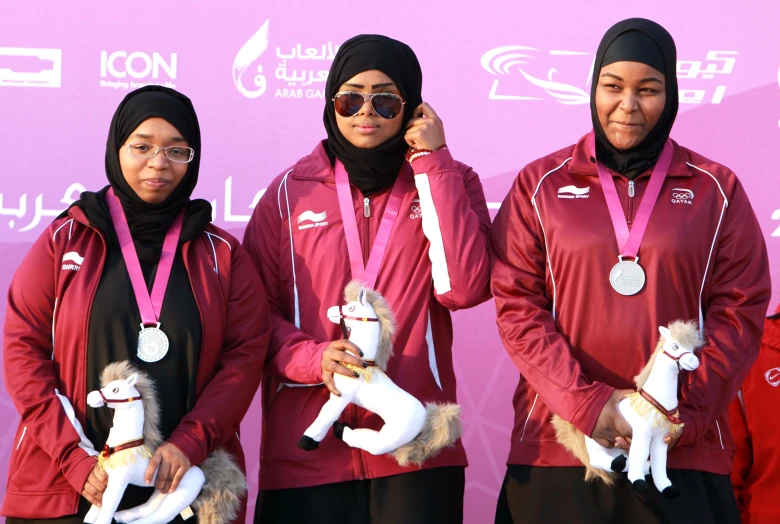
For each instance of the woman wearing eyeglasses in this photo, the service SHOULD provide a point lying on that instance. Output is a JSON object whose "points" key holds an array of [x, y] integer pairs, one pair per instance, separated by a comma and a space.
{"points": [[81, 300], [385, 155]]}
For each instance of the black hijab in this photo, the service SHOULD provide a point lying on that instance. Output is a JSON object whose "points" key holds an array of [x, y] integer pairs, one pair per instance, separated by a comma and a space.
{"points": [[372, 169], [149, 222], [644, 41]]}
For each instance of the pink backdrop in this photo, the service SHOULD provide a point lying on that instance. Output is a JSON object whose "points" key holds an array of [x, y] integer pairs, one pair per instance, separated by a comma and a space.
{"points": [[509, 79]]}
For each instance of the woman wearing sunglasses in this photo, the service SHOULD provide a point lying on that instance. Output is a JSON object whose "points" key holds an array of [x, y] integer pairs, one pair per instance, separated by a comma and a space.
{"points": [[598, 245], [381, 200], [80, 296]]}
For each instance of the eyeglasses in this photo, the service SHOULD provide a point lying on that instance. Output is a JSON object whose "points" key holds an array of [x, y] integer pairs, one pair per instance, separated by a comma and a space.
{"points": [[180, 154], [385, 105]]}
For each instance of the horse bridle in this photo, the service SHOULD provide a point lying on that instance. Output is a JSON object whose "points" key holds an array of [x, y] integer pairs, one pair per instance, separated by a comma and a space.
{"points": [[679, 367], [345, 330], [118, 400]]}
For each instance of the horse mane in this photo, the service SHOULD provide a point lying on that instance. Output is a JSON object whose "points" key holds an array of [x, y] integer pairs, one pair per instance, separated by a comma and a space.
{"points": [[145, 386], [686, 333], [383, 313]]}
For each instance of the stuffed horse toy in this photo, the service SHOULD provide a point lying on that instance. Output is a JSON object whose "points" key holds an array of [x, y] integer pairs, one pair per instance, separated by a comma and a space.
{"points": [[411, 433], [651, 412], [214, 489]]}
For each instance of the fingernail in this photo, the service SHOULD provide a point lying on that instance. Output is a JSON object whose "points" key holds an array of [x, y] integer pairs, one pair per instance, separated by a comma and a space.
{"points": [[338, 394], [365, 364], [361, 353], [357, 375]]}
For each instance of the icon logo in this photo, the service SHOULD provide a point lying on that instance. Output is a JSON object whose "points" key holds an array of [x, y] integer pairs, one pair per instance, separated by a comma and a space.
{"points": [[573, 192], [30, 67], [116, 67]]}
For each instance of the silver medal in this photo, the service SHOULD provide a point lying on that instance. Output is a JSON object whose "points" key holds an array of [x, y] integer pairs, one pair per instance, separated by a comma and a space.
{"points": [[627, 277], [152, 343]]}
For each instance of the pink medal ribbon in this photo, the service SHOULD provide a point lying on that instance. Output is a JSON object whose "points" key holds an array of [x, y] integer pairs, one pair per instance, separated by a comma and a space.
{"points": [[368, 273], [152, 342], [627, 277]]}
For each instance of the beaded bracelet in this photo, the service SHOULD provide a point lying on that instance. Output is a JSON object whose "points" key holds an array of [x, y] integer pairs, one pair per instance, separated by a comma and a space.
{"points": [[413, 154]]}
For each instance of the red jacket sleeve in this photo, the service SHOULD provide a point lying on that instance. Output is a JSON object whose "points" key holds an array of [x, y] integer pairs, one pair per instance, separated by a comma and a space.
{"points": [[30, 375], [743, 457], [733, 317], [525, 316], [456, 222], [293, 356], [225, 400]]}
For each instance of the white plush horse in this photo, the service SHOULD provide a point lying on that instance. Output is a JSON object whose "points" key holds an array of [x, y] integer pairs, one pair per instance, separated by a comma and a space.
{"points": [[214, 489], [411, 433], [651, 412]]}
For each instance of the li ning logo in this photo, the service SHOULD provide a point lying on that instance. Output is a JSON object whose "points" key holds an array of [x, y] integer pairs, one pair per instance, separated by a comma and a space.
{"points": [[682, 196], [573, 192]]}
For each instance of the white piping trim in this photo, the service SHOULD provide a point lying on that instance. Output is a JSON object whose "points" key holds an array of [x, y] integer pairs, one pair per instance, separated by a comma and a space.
{"points": [[546, 247], [292, 249], [214, 250], [85, 443], [741, 400], [529, 416], [24, 431], [222, 239], [53, 316], [720, 436], [70, 231], [432, 231], [714, 240], [63, 225], [432, 352]]}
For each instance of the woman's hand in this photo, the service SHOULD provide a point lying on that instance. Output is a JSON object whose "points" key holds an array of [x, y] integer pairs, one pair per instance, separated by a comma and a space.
{"points": [[340, 351], [611, 426], [425, 130], [172, 463], [95, 486]]}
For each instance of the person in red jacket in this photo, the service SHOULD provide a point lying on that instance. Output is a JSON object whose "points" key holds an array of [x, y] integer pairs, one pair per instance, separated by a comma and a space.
{"points": [[434, 260], [76, 303], [596, 246], [754, 423]]}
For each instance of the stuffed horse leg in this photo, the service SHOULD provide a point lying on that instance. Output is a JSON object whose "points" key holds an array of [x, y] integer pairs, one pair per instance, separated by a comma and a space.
{"points": [[174, 501], [112, 496], [144, 510], [329, 414]]}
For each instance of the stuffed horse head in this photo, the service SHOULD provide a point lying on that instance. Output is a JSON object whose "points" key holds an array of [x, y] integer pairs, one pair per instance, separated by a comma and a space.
{"points": [[679, 347], [367, 321]]}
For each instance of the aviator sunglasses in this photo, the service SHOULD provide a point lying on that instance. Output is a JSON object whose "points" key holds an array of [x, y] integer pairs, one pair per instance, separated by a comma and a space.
{"points": [[385, 105]]}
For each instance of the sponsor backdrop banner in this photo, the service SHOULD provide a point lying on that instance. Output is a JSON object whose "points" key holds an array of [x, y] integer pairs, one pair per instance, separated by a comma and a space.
{"points": [[510, 80]]}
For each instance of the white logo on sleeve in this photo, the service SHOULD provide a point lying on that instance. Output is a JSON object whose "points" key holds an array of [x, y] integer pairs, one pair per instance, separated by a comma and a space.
{"points": [[773, 377], [573, 192], [72, 261], [314, 219], [682, 196]]}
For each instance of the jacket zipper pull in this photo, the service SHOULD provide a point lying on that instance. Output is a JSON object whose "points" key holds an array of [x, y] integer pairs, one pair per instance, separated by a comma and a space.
{"points": [[366, 207], [631, 188]]}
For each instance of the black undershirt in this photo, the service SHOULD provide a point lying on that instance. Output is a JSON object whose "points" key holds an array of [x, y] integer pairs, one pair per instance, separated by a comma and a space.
{"points": [[113, 336]]}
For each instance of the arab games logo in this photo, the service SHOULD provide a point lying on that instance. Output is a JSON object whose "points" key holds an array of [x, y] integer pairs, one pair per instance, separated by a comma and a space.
{"points": [[123, 70], [299, 73], [30, 67], [527, 73], [682, 196], [573, 192]]}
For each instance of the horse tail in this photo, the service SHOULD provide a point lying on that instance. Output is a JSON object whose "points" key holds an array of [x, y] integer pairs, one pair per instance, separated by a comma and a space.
{"points": [[573, 440], [220, 498], [442, 428]]}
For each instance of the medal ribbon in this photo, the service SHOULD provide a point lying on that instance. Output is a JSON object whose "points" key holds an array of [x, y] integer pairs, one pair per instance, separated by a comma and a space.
{"points": [[368, 273], [148, 305], [628, 242]]}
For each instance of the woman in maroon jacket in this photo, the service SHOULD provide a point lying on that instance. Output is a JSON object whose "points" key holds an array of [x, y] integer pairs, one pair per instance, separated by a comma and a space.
{"points": [[596, 246], [73, 308], [435, 260]]}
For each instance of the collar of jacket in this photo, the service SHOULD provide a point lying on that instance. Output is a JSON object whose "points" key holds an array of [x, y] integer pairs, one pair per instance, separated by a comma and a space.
{"points": [[316, 166], [583, 163]]}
